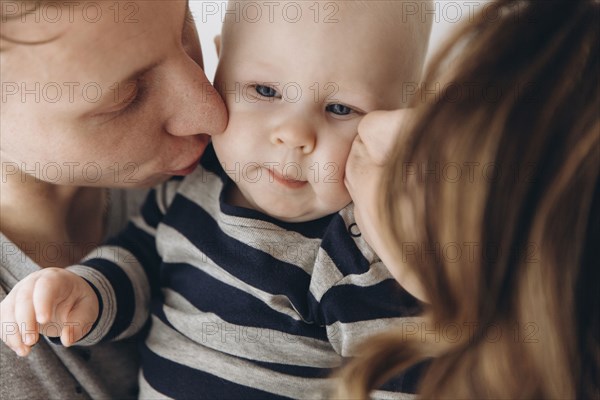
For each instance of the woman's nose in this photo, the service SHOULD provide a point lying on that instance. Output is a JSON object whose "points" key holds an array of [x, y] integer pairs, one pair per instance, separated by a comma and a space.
{"points": [[379, 131]]}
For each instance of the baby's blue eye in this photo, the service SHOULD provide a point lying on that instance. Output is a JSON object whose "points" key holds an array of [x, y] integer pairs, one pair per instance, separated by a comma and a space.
{"points": [[265, 91], [339, 109]]}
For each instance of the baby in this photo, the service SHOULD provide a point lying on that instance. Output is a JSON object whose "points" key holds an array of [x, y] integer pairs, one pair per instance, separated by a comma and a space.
{"points": [[252, 268]]}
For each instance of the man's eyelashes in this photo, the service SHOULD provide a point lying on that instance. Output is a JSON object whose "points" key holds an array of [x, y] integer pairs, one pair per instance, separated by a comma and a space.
{"points": [[130, 98], [123, 103], [134, 98]]}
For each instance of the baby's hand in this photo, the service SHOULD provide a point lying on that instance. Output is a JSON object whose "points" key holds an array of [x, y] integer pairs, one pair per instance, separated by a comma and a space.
{"points": [[53, 302]]}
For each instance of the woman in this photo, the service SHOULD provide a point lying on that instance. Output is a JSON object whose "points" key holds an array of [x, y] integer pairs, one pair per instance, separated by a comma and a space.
{"points": [[489, 211], [94, 95]]}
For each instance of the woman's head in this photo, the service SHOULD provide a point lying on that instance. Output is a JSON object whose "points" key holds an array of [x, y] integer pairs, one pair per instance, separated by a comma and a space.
{"points": [[494, 191], [103, 93]]}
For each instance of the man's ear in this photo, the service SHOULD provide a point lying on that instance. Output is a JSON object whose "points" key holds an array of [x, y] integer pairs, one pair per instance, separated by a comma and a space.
{"points": [[218, 45]]}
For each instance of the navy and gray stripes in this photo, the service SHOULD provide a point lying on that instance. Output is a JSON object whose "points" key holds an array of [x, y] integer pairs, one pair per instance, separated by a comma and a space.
{"points": [[242, 305]]}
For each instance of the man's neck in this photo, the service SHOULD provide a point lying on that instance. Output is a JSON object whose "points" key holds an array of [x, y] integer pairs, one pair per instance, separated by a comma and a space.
{"points": [[52, 223]]}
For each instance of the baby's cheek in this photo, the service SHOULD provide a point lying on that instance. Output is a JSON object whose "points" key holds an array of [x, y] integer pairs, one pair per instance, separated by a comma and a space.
{"points": [[334, 196]]}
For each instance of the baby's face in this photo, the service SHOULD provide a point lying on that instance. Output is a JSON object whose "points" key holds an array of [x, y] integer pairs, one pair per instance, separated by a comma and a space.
{"points": [[295, 94]]}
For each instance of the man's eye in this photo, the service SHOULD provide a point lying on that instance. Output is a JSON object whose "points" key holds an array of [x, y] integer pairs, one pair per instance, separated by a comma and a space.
{"points": [[265, 91], [339, 109], [133, 99]]}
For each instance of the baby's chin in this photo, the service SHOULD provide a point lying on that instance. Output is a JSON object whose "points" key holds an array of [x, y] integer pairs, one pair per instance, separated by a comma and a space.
{"points": [[290, 215], [307, 214]]}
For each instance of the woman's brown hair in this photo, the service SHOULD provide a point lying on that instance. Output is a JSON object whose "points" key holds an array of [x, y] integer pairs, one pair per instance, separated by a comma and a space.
{"points": [[507, 160]]}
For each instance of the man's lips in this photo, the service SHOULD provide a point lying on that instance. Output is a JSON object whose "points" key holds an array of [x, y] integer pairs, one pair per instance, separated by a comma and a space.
{"points": [[186, 170], [191, 167], [287, 182]]}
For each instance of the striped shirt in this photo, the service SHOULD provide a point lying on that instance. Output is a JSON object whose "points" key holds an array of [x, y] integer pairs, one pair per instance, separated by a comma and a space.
{"points": [[241, 305]]}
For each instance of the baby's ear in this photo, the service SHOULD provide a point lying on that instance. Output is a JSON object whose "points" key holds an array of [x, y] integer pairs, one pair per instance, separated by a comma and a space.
{"points": [[218, 45]]}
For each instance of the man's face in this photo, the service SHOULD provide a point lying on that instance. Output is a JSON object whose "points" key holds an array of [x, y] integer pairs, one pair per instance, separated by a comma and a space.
{"points": [[117, 97]]}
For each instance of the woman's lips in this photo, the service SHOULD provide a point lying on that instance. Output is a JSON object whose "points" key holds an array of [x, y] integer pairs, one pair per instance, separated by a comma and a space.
{"points": [[289, 183]]}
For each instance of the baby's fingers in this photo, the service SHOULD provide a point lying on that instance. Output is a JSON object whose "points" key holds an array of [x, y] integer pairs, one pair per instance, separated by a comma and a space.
{"points": [[11, 334], [50, 290], [25, 315], [67, 306], [79, 322]]}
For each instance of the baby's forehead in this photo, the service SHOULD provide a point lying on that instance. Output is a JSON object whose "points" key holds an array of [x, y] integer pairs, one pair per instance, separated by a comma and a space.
{"points": [[395, 15], [354, 24], [369, 43]]}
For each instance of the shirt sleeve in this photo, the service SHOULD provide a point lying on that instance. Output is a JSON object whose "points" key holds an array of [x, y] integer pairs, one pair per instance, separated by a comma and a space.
{"points": [[360, 306], [355, 298], [125, 271]]}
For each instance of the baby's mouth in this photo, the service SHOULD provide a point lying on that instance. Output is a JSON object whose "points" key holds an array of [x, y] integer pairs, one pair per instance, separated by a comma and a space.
{"points": [[285, 181]]}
